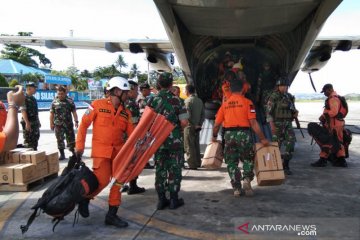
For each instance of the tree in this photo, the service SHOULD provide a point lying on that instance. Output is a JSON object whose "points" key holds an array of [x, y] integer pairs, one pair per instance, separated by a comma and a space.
{"points": [[24, 55], [86, 74], [3, 82], [13, 83], [134, 71], [106, 72], [120, 62], [29, 77]]}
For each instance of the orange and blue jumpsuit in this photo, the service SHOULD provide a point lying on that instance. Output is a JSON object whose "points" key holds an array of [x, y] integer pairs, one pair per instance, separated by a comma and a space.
{"points": [[333, 124], [109, 129]]}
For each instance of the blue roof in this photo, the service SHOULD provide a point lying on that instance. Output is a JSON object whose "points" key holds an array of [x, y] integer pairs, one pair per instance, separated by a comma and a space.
{"points": [[11, 67]]}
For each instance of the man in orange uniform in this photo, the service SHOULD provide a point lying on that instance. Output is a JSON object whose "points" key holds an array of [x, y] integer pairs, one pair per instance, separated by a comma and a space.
{"points": [[10, 133], [334, 122], [3, 115], [111, 121], [237, 115]]}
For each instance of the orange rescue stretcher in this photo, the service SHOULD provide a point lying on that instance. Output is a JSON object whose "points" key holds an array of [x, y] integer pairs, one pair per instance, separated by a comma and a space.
{"points": [[147, 137]]}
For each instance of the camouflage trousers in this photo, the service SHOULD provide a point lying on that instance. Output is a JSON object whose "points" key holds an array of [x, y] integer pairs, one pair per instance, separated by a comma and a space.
{"points": [[168, 164], [62, 132], [239, 146], [31, 138], [285, 136]]}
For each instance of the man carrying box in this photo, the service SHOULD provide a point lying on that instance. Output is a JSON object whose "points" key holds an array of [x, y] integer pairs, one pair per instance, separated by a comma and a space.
{"points": [[237, 115]]}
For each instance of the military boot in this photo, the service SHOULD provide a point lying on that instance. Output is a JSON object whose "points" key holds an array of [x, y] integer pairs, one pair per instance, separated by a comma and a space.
{"points": [[163, 201], [286, 167], [340, 162], [84, 208], [134, 188], [320, 163], [247, 187], [175, 201], [62, 154], [112, 219]]}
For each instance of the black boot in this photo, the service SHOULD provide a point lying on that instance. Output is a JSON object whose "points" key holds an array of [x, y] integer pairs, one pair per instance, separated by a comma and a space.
{"points": [[175, 201], [84, 208], [340, 162], [163, 201], [112, 219], [286, 167], [134, 188], [62, 154], [320, 163]]}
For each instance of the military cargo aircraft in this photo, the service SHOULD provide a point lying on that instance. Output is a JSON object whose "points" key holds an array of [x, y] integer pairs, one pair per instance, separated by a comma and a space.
{"points": [[202, 33]]}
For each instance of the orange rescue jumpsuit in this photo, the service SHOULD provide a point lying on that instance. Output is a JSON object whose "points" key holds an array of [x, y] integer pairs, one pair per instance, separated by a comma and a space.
{"points": [[2, 140], [109, 129], [3, 115], [334, 124]]}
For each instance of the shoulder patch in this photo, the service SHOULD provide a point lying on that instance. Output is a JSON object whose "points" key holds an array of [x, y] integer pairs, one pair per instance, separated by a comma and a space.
{"points": [[252, 108]]}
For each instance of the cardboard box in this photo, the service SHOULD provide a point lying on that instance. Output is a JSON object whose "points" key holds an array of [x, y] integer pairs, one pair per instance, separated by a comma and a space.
{"points": [[24, 173], [41, 169], [3, 157], [7, 173], [213, 156], [34, 157], [52, 156], [14, 155], [268, 165]]}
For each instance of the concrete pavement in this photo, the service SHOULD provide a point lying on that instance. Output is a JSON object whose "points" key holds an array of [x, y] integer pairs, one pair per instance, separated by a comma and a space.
{"points": [[211, 211]]}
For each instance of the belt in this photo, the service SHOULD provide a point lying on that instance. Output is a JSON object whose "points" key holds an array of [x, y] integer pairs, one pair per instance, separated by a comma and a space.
{"points": [[236, 128]]}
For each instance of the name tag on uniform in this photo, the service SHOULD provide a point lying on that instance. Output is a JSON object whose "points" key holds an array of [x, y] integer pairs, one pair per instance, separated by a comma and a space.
{"points": [[104, 110]]}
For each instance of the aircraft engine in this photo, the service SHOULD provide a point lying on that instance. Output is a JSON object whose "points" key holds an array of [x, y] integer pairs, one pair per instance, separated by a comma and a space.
{"points": [[161, 62], [316, 59]]}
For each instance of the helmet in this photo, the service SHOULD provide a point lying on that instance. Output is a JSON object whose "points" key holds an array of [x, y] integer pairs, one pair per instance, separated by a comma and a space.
{"points": [[118, 82], [282, 81]]}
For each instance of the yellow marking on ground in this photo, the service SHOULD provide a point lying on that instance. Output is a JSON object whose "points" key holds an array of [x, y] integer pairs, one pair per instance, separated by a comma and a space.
{"points": [[10, 206]]}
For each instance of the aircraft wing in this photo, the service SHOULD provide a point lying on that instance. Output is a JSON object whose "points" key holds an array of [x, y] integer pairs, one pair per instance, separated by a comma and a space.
{"points": [[158, 52], [323, 47], [132, 45]]}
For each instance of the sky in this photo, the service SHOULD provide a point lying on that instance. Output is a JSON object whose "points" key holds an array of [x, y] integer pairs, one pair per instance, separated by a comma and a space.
{"points": [[131, 19]]}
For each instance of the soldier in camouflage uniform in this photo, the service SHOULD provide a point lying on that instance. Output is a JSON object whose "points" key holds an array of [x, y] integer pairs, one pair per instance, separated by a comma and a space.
{"points": [[61, 120], [237, 115], [168, 159], [134, 108], [30, 118], [265, 85], [280, 112]]}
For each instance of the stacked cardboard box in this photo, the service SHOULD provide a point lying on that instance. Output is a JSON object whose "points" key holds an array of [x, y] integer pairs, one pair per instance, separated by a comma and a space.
{"points": [[268, 165], [22, 166]]}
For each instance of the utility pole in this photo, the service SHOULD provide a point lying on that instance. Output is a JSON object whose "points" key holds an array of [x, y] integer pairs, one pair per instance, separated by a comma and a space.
{"points": [[72, 50]]}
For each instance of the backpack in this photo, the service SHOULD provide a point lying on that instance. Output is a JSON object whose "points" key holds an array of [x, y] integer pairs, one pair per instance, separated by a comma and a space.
{"points": [[344, 108], [70, 188], [347, 138], [328, 142]]}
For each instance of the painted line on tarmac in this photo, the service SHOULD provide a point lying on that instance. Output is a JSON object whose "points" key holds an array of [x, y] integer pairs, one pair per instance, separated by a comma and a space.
{"points": [[11, 205], [162, 226]]}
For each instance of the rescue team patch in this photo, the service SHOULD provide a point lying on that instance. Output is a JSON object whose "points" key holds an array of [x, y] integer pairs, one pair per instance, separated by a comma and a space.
{"points": [[252, 108], [104, 110]]}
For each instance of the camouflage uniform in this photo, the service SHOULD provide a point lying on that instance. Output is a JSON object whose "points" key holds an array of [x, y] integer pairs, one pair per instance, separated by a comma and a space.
{"points": [[31, 138], [265, 87], [280, 109], [168, 159], [64, 126], [239, 145], [132, 105]]}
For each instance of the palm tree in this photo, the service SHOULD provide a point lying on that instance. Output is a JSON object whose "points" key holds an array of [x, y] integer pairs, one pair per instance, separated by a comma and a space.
{"points": [[120, 62], [134, 70]]}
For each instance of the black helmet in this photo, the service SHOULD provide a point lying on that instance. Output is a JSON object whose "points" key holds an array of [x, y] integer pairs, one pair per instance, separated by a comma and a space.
{"points": [[282, 81]]}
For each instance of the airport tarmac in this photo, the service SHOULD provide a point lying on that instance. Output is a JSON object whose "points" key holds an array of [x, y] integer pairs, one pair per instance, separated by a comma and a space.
{"points": [[327, 198]]}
